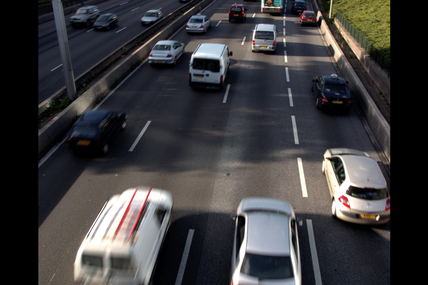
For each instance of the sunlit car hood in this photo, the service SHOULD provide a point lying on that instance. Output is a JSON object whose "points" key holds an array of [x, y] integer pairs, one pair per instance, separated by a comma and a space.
{"points": [[148, 19]]}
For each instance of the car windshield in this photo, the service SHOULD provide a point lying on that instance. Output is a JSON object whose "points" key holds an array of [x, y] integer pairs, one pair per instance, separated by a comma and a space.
{"points": [[367, 193], [336, 88], [267, 267], [162, 47], [196, 20], [103, 18], [151, 14], [82, 11], [206, 64], [264, 35], [84, 131]]}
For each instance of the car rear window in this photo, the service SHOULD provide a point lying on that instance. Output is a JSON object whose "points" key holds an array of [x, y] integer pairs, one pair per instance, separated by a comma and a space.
{"points": [[267, 267], [92, 260], [309, 15], [235, 9], [264, 35], [162, 47], [84, 131], [367, 193], [336, 88], [122, 264], [196, 20], [206, 64]]}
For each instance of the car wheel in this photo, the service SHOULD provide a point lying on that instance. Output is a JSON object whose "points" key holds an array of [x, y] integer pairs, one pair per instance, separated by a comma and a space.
{"points": [[88, 23], [317, 103], [175, 61], [333, 207]]}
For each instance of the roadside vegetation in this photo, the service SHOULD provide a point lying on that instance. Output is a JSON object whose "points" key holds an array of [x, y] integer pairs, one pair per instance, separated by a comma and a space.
{"points": [[370, 17]]}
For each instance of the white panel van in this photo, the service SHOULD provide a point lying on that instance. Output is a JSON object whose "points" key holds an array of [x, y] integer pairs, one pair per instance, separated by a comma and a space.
{"points": [[209, 65], [123, 243], [264, 38]]}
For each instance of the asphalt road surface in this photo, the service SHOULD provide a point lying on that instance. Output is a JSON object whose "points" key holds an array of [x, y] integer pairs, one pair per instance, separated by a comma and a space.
{"points": [[213, 148]]}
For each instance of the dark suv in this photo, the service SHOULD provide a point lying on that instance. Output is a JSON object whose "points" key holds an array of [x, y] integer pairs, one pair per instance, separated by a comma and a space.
{"points": [[237, 12], [331, 91]]}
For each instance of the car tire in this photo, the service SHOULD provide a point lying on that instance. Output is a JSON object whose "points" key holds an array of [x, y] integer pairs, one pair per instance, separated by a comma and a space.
{"points": [[105, 149], [333, 208], [317, 103]]}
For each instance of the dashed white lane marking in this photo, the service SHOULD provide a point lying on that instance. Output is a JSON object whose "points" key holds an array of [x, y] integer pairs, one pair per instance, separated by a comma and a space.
{"points": [[285, 56], [226, 94], [293, 122], [121, 30], [218, 23], [243, 41], [287, 76], [139, 136], [183, 262], [314, 254], [290, 97], [302, 177], [56, 67]]}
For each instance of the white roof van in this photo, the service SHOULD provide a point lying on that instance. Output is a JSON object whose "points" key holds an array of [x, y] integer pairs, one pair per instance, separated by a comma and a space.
{"points": [[264, 38], [209, 65], [123, 243]]}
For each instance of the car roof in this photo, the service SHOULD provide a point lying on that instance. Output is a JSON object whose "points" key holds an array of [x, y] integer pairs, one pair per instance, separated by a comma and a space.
{"points": [[334, 79], [198, 16], [265, 27], [268, 233], [93, 117], [363, 171], [208, 49], [166, 42], [308, 11], [154, 10]]}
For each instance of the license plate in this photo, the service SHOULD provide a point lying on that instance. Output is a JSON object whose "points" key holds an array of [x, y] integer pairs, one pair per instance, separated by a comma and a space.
{"points": [[194, 27], [83, 142], [373, 217], [236, 15], [160, 61], [199, 76], [310, 20], [271, 8], [263, 47], [299, 10], [337, 102]]}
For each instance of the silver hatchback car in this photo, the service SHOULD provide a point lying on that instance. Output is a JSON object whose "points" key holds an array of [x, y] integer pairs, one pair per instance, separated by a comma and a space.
{"points": [[358, 190], [266, 243]]}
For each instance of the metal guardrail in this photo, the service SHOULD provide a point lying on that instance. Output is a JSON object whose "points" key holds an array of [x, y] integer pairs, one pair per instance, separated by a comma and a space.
{"points": [[374, 53]]}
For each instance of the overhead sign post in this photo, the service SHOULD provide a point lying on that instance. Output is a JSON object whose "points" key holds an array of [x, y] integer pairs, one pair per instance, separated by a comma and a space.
{"points": [[63, 48]]}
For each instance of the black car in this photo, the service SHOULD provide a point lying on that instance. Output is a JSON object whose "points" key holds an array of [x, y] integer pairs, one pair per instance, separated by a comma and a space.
{"points": [[95, 129], [331, 91], [106, 21], [298, 7], [237, 12]]}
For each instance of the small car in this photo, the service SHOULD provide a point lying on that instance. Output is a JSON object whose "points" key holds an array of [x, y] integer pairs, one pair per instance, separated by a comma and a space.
{"points": [[166, 52], [198, 24], [106, 21], [95, 129], [331, 92], [266, 243], [358, 190], [308, 17], [85, 16], [298, 7], [237, 12], [151, 16]]}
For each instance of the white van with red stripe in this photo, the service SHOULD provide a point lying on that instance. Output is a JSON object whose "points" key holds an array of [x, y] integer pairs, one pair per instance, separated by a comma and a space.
{"points": [[123, 243]]}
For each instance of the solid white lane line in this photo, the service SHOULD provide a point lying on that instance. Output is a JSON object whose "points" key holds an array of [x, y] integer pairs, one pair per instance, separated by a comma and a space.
{"points": [[56, 67], [314, 254], [290, 97], [287, 76], [293, 122], [218, 23], [302, 177], [183, 262], [285, 56], [139, 136], [243, 41], [121, 30], [226, 93]]}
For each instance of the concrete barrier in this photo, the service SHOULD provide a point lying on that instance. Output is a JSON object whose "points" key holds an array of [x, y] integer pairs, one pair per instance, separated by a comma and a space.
{"points": [[61, 123], [375, 119]]}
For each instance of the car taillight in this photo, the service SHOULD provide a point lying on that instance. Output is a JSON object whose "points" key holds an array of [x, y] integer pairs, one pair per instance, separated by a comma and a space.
{"points": [[274, 43], [324, 99], [201, 27], [344, 201], [388, 204], [169, 55], [150, 54], [349, 101], [221, 79], [254, 42]]}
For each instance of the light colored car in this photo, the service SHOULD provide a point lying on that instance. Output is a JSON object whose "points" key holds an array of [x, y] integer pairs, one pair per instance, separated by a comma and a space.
{"points": [[358, 190], [123, 243], [85, 16], [166, 52], [266, 243], [198, 24], [151, 16], [264, 38]]}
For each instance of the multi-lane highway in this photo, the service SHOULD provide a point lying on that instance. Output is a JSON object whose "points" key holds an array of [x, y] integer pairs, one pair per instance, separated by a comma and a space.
{"points": [[260, 136]]}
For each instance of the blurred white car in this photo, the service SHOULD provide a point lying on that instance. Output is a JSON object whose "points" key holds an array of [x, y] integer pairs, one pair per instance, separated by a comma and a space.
{"points": [[151, 16], [358, 190], [198, 24], [266, 243], [166, 52]]}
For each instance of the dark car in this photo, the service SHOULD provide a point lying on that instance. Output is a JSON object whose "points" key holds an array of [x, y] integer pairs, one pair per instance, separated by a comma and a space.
{"points": [[106, 21], [331, 91], [237, 12], [298, 7], [95, 129]]}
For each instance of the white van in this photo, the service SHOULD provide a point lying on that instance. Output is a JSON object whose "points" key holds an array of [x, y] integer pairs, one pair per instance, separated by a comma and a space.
{"points": [[209, 65], [264, 38], [123, 243]]}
